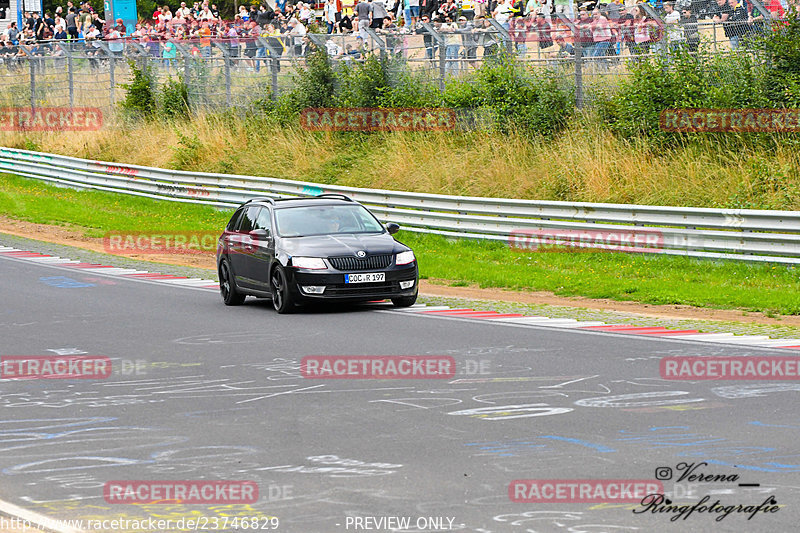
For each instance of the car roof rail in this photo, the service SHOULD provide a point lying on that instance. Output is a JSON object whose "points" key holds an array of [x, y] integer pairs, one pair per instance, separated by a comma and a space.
{"points": [[261, 199], [333, 195]]}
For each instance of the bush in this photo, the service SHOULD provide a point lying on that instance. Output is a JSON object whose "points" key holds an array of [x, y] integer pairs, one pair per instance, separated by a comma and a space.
{"points": [[174, 99], [516, 97], [313, 86], [681, 80], [782, 83], [140, 99], [363, 84]]}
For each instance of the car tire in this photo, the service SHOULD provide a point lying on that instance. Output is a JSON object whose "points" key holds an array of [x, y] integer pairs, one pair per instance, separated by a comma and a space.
{"points": [[281, 296], [405, 301], [227, 286]]}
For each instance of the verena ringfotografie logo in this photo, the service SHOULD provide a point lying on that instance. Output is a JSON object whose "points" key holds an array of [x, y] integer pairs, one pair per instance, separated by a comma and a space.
{"points": [[730, 120], [50, 118], [376, 119], [160, 243], [582, 490], [378, 367], [568, 240], [186, 492], [55, 367], [730, 368]]}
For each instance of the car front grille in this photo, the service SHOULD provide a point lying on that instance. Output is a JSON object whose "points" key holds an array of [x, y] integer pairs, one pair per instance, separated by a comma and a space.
{"points": [[371, 262], [367, 288]]}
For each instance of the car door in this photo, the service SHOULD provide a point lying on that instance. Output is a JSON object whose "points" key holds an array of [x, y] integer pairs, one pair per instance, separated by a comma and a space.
{"points": [[243, 247], [263, 252]]}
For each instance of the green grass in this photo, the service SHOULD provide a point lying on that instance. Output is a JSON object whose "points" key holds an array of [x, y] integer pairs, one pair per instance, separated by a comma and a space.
{"points": [[772, 289], [98, 212]]}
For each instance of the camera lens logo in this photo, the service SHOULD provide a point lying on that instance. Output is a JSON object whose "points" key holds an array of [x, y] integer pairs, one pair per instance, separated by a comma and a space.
{"points": [[663, 473]]}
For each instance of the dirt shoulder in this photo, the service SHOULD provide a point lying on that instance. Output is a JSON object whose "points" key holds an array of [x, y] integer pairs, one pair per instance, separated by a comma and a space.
{"points": [[75, 237]]}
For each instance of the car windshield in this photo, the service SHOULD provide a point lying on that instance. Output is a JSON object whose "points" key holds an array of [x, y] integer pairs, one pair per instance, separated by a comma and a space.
{"points": [[325, 220]]}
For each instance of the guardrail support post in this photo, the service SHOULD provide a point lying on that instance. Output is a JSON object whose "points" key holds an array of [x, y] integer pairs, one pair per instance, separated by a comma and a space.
{"points": [[440, 40], [70, 73], [274, 65], [32, 63], [578, 51], [226, 57]]}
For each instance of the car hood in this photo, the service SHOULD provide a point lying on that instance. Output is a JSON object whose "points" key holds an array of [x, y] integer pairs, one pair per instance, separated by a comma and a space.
{"points": [[341, 245]]}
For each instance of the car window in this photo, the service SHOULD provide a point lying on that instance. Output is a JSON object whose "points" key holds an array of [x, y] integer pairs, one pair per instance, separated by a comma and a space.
{"points": [[264, 220], [248, 223], [325, 220], [234, 222]]}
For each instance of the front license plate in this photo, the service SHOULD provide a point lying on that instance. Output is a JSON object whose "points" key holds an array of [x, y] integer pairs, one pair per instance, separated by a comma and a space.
{"points": [[371, 277]]}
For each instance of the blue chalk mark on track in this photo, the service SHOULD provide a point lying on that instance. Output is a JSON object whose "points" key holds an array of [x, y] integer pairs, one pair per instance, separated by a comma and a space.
{"points": [[599, 447], [64, 282]]}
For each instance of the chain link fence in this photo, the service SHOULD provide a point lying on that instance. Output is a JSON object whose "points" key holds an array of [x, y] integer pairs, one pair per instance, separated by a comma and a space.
{"points": [[592, 52]]}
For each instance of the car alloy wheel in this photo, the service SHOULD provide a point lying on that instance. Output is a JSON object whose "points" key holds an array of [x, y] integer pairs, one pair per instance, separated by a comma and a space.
{"points": [[227, 287]]}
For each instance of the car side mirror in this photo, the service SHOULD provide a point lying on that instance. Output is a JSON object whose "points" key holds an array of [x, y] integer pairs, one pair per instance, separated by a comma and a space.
{"points": [[392, 228], [260, 234]]}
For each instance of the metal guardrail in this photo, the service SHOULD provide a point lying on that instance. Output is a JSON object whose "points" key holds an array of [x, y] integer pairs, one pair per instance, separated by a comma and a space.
{"points": [[750, 235]]}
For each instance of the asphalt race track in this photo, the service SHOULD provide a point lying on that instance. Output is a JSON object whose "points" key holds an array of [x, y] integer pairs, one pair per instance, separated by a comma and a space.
{"points": [[202, 391]]}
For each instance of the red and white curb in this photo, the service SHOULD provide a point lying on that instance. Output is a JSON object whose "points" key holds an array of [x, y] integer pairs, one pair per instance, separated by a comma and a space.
{"points": [[440, 311], [654, 331], [91, 268]]}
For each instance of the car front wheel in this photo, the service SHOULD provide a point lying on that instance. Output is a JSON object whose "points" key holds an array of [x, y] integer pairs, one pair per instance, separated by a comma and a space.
{"points": [[404, 301], [281, 297], [227, 287]]}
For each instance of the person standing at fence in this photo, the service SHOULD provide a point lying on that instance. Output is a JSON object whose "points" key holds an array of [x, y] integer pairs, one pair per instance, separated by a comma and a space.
{"points": [[85, 21], [60, 34], [642, 29], [250, 33], [736, 27], [690, 30], [413, 10], [452, 43], [169, 54], [503, 12], [520, 30], [92, 36], [331, 14], [671, 23], [719, 12], [430, 9], [602, 36], [72, 23], [363, 15], [469, 40], [566, 7], [297, 31], [379, 13], [115, 44]]}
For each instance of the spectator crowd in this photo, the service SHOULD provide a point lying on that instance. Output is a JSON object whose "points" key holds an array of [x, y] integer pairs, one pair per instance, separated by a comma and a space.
{"points": [[601, 27]]}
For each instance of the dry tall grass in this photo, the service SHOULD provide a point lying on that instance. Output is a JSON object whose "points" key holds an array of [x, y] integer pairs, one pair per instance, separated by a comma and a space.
{"points": [[584, 163]]}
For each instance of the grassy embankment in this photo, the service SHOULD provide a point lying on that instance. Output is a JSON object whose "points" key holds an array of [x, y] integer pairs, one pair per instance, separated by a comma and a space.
{"points": [[584, 163]]}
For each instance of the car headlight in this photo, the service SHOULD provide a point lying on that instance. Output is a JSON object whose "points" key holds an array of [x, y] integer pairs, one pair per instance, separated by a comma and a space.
{"points": [[404, 258], [310, 263]]}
